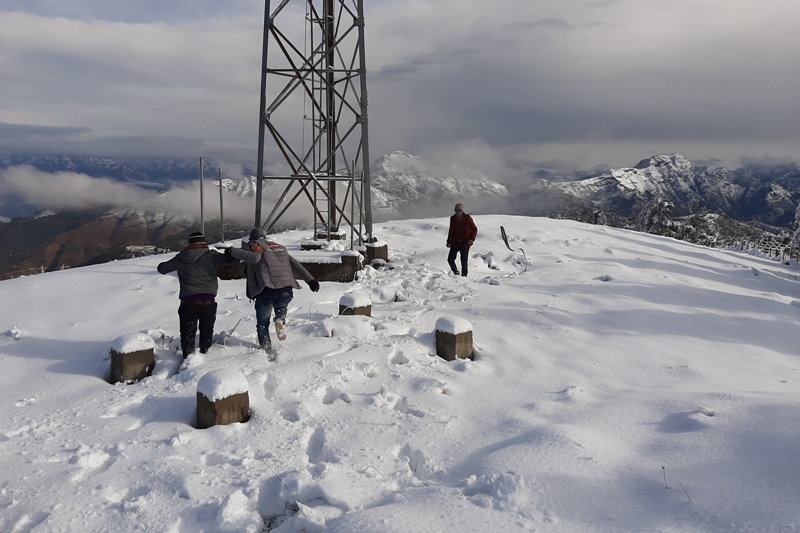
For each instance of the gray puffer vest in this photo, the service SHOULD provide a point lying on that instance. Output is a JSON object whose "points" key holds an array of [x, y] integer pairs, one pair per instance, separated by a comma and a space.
{"points": [[274, 269]]}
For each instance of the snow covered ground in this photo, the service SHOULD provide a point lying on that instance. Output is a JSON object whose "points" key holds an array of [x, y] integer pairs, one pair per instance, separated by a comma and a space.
{"points": [[625, 382]]}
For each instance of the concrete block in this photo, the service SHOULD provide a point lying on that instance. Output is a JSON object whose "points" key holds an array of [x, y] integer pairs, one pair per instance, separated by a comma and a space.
{"points": [[222, 398], [343, 272], [454, 338], [449, 346], [355, 303], [132, 366], [132, 357], [377, 251], [365, 310], [235, 408]]}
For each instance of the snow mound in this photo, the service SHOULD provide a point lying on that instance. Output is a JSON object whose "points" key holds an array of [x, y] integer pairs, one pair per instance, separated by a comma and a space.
{"points": [[453, 325], [133, 342], [355, 299], [222, 383]]}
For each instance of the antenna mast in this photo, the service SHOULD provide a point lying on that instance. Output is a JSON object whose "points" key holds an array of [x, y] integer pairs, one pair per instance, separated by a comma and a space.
{"points": [[314, 73]]}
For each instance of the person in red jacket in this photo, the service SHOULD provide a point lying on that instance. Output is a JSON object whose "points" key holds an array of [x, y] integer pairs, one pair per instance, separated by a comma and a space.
{"points": [[460, 237]]}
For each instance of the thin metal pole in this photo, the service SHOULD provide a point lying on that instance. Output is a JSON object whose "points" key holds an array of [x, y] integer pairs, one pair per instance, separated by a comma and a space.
{"points": [[330, 44], [366, 199], [352, 203], [202, 217], [361, 212], [221, 212], [262, 118]]}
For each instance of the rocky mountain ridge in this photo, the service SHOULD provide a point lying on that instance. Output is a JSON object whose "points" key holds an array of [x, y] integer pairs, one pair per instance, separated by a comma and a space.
{"points": [[404, 184], [769, 196]]}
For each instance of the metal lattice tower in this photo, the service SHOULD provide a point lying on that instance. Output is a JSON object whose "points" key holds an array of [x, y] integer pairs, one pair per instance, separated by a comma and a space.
{"points": [[314, 106]]}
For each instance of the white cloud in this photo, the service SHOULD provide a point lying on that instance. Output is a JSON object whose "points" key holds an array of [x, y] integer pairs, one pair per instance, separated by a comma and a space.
{"points": [[70, 190], [66, 190], [563, 79]]}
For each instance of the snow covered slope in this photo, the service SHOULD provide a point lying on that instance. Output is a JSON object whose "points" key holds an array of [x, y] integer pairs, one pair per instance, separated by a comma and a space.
{"points": [[619, 377]]}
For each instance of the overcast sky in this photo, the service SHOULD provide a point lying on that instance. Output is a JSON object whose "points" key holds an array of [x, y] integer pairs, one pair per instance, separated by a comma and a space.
{"points": [[504, 87]]}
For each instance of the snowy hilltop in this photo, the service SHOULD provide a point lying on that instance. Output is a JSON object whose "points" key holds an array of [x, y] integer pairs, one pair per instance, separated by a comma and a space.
{"points": [[622, 382]]}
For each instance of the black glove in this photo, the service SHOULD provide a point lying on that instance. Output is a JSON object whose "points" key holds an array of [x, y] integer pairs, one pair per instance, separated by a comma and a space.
{"points": [[313, 285], [228, 254]]}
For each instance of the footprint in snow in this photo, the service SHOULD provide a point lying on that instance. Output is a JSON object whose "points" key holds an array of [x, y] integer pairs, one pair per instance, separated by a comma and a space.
{"points": [[571, 393], [332, 394], [685, 422], [88, 462], [291, 413], [270, 386], [398, 358], [316, 444]]}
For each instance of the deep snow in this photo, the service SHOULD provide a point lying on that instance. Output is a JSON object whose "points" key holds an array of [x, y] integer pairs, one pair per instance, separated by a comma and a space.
{"points": [[619, 377]]}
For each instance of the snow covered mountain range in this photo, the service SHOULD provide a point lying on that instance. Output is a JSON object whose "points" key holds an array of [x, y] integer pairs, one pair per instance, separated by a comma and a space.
{"points": [[403, 186], [749, 193], [404, 183]]}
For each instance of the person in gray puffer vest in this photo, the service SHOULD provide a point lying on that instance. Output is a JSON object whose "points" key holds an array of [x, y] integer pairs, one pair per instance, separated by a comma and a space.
{"points": [[271, 274], [196, 266]]}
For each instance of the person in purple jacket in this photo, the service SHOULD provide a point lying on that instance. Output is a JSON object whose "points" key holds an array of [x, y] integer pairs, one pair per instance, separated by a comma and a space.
{"points": [[196, 266]]}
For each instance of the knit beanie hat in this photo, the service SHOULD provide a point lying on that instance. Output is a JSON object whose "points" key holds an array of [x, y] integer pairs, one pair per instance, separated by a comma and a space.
{"points": [[197, 237], [256, 234]]}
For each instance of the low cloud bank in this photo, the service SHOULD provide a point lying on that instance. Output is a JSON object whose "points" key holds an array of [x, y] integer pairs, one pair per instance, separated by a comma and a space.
{"points": [[60, 191], [66, 190]]}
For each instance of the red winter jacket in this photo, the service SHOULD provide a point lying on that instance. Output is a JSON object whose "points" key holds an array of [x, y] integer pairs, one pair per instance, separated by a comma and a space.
{"points": [[461, 230]]}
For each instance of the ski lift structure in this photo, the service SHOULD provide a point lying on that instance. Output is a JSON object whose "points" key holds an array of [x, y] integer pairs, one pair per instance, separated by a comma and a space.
{"points": [[313, 114]]}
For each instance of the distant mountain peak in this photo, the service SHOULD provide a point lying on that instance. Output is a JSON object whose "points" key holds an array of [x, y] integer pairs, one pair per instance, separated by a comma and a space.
{"points": [[403, 182], [675, 160]]}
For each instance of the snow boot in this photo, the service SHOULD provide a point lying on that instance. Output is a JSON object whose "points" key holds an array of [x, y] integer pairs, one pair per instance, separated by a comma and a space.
{"points": [[272, 354], [280, 329]]}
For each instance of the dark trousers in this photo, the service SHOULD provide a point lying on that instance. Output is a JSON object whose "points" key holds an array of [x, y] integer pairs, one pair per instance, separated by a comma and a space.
{"points": [[266, 301], [190, 313], [463, 249]]}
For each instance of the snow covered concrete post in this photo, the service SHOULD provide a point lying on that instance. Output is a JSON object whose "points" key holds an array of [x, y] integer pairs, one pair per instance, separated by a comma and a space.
{"points": [[352, 262], [355, 303], [376, 250], [222, 398], [453, 338], [342, 270], [132, 357]]}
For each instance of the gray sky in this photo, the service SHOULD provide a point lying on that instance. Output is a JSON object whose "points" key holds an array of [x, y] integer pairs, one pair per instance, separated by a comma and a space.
{"points": [[505, 87]]}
